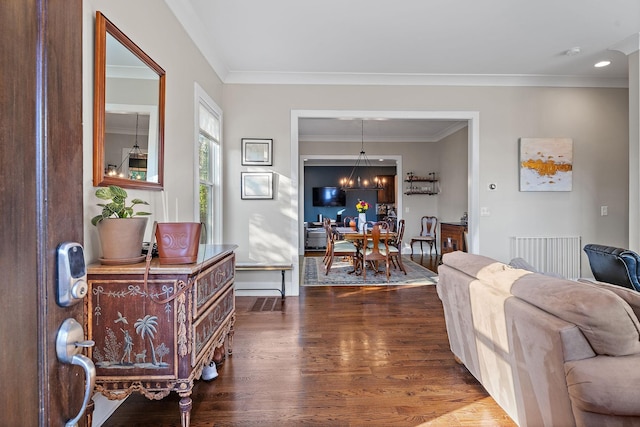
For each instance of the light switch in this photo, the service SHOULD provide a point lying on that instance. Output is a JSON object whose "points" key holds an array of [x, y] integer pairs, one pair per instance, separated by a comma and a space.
{"points": [[604, 210]]}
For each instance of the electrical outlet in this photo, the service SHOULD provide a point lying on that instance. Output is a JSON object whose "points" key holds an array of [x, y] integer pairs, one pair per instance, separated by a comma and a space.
{"points": [[484, 211], [604, 210]]}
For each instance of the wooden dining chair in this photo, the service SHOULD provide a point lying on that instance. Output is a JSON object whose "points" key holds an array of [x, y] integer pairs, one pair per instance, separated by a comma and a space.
{"points": [[428, 225], [395, 248], [326, 224], [375, 252], [337, 248]]}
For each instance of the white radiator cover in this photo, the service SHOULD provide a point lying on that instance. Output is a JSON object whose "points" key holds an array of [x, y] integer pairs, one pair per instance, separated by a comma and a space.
{"points": [[560, 255]]}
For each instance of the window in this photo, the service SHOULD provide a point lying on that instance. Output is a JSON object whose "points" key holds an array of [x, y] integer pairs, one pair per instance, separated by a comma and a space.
{"points": [[208, 149]]}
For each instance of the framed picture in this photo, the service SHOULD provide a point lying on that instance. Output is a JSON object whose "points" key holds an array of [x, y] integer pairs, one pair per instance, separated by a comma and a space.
{"points": [[257, 185], [257, 152], [546, 164]]}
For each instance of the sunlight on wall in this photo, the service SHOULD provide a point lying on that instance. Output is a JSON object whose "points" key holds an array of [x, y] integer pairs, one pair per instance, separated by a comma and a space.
{"points": [[265, 240]]}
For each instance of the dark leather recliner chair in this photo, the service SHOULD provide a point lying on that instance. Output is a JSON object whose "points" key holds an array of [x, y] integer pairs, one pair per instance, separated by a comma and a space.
{"points": [[614, 265]]}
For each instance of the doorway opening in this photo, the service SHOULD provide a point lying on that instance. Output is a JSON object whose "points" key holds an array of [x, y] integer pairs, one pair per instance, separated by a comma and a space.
{"points": [[471, 118]]}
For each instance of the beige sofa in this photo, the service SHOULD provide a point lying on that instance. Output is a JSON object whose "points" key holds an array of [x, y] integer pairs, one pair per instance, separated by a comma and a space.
{"points": [[551, 352]]}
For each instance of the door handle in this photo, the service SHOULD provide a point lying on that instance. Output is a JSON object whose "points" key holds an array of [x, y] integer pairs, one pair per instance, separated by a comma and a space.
{"points": [[69, 344]]}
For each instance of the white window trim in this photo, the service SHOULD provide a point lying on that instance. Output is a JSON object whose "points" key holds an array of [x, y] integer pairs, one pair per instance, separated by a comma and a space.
{"points": [[201, 97]]}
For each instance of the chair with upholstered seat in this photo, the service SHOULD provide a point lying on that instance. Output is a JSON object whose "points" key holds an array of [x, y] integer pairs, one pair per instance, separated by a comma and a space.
{"points": [[428, 225], [614, 265], [337, 248], [375, 252]]}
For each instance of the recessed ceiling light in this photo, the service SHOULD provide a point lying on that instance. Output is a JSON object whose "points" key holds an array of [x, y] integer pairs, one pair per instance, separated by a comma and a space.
{"points": [[602, 64]]}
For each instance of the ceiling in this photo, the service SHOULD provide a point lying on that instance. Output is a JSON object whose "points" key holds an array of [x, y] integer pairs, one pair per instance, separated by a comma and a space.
{"points": [[417, 42], [518, 41]]}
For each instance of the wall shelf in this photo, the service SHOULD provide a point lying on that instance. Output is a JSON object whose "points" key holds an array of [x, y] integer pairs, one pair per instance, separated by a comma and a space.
{"points": [[431, 189]]}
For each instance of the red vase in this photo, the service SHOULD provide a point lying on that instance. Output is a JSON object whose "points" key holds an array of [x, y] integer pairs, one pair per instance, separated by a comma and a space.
{"points": [[352, 224]]}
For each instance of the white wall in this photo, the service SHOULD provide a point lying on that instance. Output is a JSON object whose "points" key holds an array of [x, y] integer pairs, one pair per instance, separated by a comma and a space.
{"points": [[596, 119], [152, 26], [452, 201]]}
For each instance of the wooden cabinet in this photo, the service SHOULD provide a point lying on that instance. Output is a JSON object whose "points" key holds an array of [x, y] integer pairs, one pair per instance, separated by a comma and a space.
{"points": [[388, 192], [452, 237], [428, 185], [155, 348]]}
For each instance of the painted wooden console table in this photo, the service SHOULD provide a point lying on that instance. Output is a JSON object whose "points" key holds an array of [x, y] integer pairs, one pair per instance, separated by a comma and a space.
{"points": [[151, 348]]}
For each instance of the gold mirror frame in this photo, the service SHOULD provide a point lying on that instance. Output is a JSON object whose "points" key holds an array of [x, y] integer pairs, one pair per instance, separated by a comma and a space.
{"points": [[100, 176]]}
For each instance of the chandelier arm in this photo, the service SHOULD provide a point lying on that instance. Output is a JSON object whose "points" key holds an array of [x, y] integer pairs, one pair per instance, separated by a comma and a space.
{"points": [[361, 162]]}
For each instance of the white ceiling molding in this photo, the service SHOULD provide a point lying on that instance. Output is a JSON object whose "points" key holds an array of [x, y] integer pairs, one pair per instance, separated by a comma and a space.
{"points": [[193, 26], [235, 77]]}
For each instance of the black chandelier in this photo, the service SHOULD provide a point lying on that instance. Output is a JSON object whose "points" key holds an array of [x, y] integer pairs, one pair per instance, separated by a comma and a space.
{"points": [[360, 177], [137, 161]]}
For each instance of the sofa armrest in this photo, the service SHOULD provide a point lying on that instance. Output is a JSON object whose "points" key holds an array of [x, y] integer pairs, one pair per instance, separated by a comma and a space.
{"points": [[605, 385], [540, 344]]}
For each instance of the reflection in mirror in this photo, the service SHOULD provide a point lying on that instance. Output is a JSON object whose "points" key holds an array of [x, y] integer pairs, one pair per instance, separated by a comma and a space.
{"points": [[128, 112]]}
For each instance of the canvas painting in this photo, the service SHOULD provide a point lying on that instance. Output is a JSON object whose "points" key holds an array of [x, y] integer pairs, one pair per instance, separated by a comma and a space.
{"points": [[546, 164]]}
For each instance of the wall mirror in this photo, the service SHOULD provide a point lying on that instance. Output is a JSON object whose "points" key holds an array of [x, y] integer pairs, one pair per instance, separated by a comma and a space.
{"points": [[128, 113]]}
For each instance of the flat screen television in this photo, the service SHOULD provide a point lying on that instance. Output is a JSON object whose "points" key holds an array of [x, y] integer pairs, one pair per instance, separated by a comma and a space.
{"points": [[329, 196]]}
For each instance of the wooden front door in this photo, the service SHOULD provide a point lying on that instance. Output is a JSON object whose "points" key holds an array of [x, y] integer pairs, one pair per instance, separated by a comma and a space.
{"points": [[40, 204]]}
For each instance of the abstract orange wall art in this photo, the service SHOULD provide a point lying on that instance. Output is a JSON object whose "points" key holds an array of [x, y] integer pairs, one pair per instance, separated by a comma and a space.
{"points": [[546, 164]]}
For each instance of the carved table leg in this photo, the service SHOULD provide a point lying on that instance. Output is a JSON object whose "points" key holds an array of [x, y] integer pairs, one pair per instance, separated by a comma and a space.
{"points": [[185, 411], [230, 336]]}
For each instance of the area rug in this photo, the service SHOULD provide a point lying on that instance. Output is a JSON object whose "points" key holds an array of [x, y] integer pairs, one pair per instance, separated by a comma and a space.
{"points": [[313, 274]]}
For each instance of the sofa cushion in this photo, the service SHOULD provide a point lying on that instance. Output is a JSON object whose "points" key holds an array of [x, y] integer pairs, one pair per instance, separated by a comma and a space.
{"points": [[491, 272], [605, 319], [521, 263], [630, 296], [477, 266], [601, 385]]}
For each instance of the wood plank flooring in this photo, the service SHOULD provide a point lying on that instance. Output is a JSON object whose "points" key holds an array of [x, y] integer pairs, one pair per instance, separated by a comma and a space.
{"points": [[342, 356]]}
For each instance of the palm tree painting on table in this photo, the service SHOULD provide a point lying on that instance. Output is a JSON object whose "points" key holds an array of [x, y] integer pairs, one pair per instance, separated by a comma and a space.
{"points": [[147, 326]]}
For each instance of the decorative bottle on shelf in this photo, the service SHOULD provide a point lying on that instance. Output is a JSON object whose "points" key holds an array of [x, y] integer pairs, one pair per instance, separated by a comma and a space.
{"points": [[362, 220]]}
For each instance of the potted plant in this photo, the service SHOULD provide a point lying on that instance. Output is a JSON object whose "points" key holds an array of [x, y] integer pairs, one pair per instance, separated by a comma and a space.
{"points": [[120, 227]]}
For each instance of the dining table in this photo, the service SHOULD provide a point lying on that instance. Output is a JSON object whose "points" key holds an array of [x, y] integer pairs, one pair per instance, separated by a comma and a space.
{"points": [[358, 238]]}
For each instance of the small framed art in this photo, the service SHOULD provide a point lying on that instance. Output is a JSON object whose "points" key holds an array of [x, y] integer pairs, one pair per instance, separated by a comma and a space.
{"points": [[256, 185], [257, 152]]}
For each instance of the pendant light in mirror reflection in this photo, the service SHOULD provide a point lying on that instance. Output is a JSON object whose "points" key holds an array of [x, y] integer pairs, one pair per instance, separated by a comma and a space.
{"points": [[361, 177], [132, 159]]}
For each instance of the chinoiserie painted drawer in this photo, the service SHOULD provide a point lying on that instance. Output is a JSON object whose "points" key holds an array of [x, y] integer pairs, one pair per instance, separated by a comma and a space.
{"points": [[212, 281], [214, 324]]}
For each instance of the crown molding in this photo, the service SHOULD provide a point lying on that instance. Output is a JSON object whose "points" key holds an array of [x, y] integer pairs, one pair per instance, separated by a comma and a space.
{"points": [[192, 25], [288, 78]]}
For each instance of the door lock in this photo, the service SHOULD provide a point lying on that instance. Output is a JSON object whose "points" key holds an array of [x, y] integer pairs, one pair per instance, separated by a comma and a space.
{"points": [[72, 274]]}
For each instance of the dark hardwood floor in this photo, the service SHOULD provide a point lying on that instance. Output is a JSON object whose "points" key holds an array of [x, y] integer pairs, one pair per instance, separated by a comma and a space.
{"points": [[342, 356]]}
